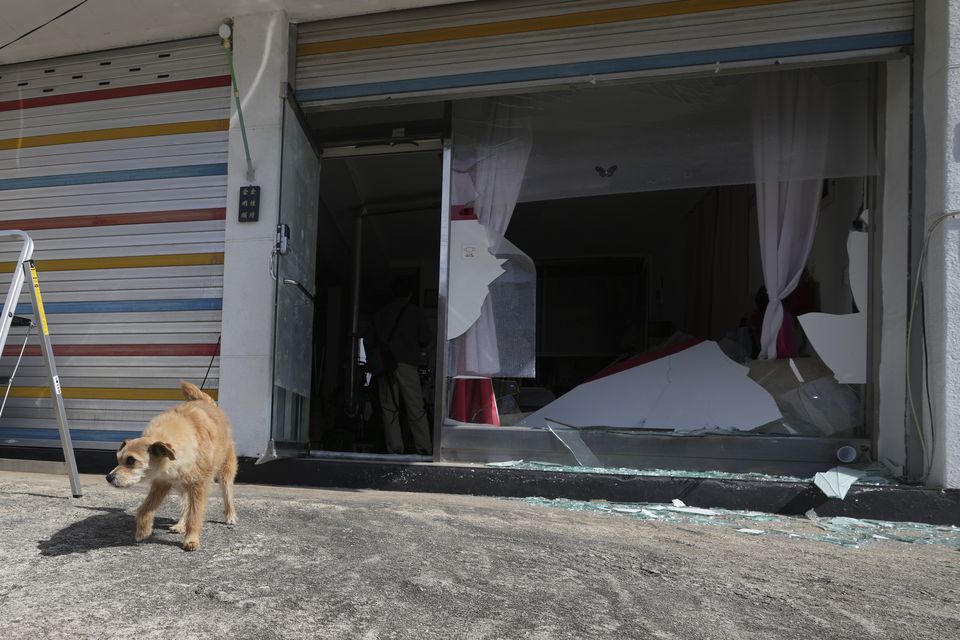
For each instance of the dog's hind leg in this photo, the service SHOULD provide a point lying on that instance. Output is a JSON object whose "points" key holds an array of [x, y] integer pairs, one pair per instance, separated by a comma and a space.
{"points": [[158, 491], [227, 473], [181, 524], [198, 506]]}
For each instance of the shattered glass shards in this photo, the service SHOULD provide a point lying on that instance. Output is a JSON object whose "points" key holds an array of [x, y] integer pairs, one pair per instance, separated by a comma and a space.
{"points": [[875, 474], [660, 473], [847, 532], [811, 400], [836, 482], [821, 407]]}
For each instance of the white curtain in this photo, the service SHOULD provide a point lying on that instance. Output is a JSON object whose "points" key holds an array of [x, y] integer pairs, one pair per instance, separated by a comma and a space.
{"points": [[790, 139], [493, 145]]}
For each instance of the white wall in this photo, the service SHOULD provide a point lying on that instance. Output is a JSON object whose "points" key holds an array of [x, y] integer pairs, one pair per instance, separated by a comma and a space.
{"points": [[941, 111], [260, 59]]}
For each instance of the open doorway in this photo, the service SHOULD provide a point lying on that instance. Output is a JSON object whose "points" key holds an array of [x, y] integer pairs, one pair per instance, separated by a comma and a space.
{"points": [[377, 275]]}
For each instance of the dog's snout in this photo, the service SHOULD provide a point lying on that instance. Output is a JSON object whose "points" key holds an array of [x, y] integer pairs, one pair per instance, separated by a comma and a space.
{"points": [[111, 476]]}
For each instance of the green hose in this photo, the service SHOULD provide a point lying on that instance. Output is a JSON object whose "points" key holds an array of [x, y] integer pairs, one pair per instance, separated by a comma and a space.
{"points": [[236, 97]]}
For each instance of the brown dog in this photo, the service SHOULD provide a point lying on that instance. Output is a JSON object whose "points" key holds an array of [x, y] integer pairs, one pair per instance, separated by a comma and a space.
{"points": [[183, 449]]}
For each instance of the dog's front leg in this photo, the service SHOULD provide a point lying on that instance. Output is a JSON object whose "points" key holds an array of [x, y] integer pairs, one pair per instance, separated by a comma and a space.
{"points": [[158, 491], [198, 505], [181, 524]]}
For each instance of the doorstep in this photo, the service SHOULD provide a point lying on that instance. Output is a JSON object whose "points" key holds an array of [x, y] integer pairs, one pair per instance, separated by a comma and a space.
{"points": [[887, 502]]}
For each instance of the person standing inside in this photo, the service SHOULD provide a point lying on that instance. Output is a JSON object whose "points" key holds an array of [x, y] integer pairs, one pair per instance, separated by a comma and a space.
{"points": [[402, 326]]}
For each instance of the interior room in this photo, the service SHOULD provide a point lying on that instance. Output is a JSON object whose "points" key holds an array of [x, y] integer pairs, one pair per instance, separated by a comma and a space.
{"points": [[653, 270]]}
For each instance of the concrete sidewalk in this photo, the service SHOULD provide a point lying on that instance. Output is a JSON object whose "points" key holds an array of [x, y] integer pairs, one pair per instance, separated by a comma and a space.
{"points": [[345, 564]]}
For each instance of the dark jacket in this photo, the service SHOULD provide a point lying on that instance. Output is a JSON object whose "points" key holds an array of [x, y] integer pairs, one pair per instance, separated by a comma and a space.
{"points": [[411, 335]]}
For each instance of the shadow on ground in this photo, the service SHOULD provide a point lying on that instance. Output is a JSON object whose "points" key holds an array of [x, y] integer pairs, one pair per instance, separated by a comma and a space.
{"points": [[37, 495], [111, 528]]}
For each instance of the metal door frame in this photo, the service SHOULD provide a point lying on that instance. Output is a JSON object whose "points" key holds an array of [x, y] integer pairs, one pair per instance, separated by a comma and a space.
{"points": [[443, 287]]}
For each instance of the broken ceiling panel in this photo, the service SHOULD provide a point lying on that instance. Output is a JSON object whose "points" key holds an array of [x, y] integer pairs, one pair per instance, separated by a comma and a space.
{"points": [[841, 340], [696, 388]]}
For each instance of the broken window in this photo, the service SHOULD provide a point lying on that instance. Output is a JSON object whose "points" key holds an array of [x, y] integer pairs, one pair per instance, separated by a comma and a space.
{"points": [[612, 250]]}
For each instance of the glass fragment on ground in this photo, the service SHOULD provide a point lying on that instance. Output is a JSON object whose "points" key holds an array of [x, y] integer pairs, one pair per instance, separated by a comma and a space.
{"points": [[847, 532], [875, 476]]}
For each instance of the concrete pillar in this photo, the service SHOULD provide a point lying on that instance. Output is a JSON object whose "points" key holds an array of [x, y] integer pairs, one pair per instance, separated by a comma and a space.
{"points": [[941, 111], [261, 57]]}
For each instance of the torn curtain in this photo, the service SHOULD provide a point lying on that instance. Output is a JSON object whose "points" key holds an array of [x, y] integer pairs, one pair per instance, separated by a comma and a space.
{"points": [[493, 144], [790, 131]]}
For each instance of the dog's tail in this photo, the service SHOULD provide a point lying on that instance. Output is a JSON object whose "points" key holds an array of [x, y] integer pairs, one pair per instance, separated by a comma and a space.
{"points": [[193, 392]]}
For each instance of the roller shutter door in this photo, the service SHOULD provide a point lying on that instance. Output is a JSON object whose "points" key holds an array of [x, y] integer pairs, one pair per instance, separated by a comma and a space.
{"points": [[116, 164], [499, 46]]}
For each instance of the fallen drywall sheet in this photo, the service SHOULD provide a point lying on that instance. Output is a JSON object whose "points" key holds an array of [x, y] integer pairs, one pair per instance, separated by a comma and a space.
{"points": [[472, 269], [841, 340], [697, 388]]}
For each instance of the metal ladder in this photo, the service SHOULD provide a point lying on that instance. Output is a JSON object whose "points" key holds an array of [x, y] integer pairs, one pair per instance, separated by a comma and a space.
{"points": [[27, 269]]}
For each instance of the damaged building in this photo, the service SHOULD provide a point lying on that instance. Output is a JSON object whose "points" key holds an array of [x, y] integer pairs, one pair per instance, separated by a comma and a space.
{"points": [[711, 236]]}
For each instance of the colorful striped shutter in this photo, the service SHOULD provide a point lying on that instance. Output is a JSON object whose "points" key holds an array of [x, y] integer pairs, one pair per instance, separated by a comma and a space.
{"points": [[502, 46], [115, 163]]}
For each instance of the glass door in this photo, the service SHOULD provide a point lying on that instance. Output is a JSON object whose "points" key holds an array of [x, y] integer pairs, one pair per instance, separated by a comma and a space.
{"points": [[295, 270]]}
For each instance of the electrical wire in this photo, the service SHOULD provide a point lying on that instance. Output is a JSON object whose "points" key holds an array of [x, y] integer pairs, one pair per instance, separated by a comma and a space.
{"points": [[926, 369], [35, 29], [216, 352], [918, 425]]}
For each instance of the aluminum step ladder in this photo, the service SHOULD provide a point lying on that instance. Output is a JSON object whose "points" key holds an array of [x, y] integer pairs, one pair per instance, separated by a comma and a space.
{"points": [[26, 269]]}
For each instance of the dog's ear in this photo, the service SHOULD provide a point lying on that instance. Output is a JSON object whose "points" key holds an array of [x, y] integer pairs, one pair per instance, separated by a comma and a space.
{"points": [[162, 449], [123, 444]]}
